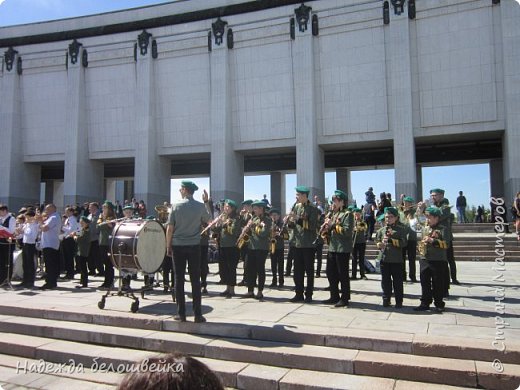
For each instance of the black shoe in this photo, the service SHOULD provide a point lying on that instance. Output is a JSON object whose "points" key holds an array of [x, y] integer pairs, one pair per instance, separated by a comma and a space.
{"points": [[330, 301], [81, 286], [199, 319], [438, 310], [318, 275], [386, 303], [326, 289], [92, 273], [259, 296], [421, 308], [224, 293], [273, 284], [399, 305], [166, 289], [204, 290], [341, 303], [287, 274], [353, 278], [414, 280], [364, 277], [242, 283], [47, 287], [249, 295], [308, 299], [455, 281], [229, 295], [297, 299], [179, 317]]}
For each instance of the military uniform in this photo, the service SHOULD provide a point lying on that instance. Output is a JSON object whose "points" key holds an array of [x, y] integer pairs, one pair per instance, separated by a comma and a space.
{"points": [[83, 251], [433, 264], [340, 247], [410, 249], [186, 219], [360, 244], [305, 224], [392, 261], [276, 250], [259, 241]]}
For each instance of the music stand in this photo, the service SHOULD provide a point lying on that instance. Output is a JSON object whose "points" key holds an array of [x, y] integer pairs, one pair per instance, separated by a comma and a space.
{"points": [[7, 282], [120, 293]]}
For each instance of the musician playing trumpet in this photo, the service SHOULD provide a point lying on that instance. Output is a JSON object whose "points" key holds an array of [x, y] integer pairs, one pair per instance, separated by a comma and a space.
{"points": [[229, 228], [339, 227], [433, 262], [360, 244], [258, 229], [390, 240], [246, 213], [277, 247]]}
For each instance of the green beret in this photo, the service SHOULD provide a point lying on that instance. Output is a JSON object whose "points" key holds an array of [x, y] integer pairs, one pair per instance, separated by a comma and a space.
{"points": [[84, 219], [351, 207], [259, 203], [128, 207], [274, 210], [247, 202], [437, 191], [356, 210], [432, 210], [302, 190], [408, 199], [189, 185], [339, 194], [391, 210], [231, 203], [381, 218], [109, 204]]}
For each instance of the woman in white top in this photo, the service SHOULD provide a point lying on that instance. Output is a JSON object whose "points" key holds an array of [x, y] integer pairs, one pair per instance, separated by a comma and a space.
{"points": [[30, 233], [70, 227]]}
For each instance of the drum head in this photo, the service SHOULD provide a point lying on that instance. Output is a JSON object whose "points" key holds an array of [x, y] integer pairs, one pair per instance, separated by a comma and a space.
{"points": [[151, 246]]}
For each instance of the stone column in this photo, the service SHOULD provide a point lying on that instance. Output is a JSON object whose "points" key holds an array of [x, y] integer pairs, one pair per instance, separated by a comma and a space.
{"points": [[510, 15], [309, 156], [496, 177], [152, 172], [344, 183], [83, 177], [227, 166], [420, 195], [20, 181], [278, 191], [399, 88]]}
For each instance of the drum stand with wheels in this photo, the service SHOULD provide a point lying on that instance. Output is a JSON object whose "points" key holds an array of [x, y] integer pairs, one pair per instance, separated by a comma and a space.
{"points": [[7, 282], [120, 293]]}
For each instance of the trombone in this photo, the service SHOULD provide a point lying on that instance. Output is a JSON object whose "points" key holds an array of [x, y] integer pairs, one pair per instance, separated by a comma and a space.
{"points": [[221, 218]]}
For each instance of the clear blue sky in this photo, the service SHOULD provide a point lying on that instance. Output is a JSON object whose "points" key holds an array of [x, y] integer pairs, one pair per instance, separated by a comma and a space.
{"points": [[472, 179]]}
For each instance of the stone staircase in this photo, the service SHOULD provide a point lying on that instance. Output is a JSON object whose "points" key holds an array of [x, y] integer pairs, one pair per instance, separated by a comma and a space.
{"points": [[245, 356]]}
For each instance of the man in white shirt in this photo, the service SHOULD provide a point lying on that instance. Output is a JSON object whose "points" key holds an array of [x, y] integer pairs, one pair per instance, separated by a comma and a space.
{"points": [[50, 242], [70, 227], [7, 228]]}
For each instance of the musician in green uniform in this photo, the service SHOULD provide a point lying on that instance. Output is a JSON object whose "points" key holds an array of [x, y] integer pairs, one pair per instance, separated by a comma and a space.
{"points": [[228, 230], [276, 248], [304, 221], [339, 228], [83, 248], [258, 229], [433, 262], [183, 242], [245, 215], [360, 244], [409, 221], [446, 220], [390, 240]]}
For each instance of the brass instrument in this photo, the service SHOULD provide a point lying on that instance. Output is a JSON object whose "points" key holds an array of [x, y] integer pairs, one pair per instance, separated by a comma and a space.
{"points": [[220, 219], [388, 234], [245, 235], [324, 228], [276, 232], [163, 212]]}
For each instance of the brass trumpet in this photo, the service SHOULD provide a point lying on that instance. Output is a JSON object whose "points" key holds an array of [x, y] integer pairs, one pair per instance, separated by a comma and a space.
{"points": [[221, 218]]}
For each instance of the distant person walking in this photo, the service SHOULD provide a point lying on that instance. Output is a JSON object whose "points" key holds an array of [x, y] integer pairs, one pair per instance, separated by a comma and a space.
{"points": [[461, 208], [480, 214]]}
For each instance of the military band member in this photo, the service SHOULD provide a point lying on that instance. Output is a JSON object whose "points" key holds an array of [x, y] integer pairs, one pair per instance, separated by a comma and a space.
{"points": [[245, 215], [446, 220], [105, 228], [83, 248], [126, 274], [229, 230], [304, 222], [433, 262], [290, 252], [7, 226], [70, 226], [183, 241], [276, 248], [94, 260], [258, 229], [360, 244], [339, 228], [318, 244], [409, 221], [390, 240]]}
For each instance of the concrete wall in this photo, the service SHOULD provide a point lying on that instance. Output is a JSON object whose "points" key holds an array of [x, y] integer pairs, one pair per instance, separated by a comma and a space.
{"points": [[438, 76]]}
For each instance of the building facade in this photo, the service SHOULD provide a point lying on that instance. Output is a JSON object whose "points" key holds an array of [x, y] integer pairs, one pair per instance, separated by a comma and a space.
{"points": [[224, 87]]}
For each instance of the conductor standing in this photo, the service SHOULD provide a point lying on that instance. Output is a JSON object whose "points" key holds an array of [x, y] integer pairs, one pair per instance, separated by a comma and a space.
{"points": [[183, 241]]}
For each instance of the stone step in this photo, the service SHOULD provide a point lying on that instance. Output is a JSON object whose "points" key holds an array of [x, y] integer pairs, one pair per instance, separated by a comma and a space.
{"points": [[94, 326], [23, 336], [233, 374]]}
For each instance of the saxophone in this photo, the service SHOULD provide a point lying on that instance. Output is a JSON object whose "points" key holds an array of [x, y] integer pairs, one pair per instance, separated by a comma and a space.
{"points": [[245, 235]]}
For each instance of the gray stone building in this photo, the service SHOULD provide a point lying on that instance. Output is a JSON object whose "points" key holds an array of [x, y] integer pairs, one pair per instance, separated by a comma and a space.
{"points": [[224, 87]]}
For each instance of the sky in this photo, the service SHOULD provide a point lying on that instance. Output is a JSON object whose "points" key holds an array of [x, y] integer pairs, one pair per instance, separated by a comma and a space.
{"points": [[472, 179]]}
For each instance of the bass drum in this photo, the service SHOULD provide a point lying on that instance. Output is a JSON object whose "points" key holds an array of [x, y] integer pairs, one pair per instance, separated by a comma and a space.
{"points": [[138, 244]]}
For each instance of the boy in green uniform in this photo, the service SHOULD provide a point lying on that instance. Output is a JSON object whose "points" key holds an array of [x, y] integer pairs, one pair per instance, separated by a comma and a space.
{"points": [[390, 239], [304, 223], [339, 227], [83, 248], [410, 250], [360, 244], [433, 262], [276, 248]]}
